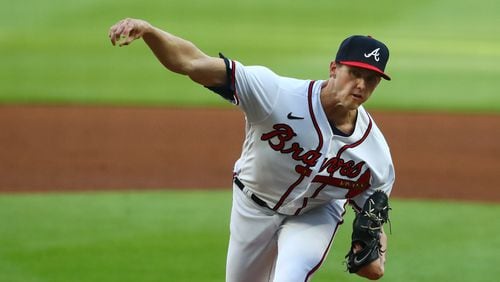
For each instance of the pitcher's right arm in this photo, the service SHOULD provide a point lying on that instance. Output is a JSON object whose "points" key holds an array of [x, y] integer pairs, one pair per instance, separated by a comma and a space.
{"points": [[176, 54]]}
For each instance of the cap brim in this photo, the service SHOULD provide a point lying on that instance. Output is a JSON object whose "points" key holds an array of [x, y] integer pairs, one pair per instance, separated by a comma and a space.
{"points": [[366, 66]]}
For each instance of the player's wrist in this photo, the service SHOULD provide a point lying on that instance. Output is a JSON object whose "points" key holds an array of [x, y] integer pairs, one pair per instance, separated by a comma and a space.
{"points": [[147, 28]]}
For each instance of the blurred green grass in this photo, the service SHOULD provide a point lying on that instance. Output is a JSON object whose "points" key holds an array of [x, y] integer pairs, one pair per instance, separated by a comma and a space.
{"points": [[444, 57], [444, 53], [182, 236]]}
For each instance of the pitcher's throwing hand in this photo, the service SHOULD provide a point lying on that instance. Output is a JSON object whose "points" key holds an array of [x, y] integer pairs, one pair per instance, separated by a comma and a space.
{"points": [[128, 30]]}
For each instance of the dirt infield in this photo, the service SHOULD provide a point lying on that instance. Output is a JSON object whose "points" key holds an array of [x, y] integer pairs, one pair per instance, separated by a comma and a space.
{"points": [[54, 148]]}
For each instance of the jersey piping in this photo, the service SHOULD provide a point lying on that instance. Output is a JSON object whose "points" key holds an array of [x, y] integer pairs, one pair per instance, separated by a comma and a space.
{"points": [[330, 180], [304, 171]]}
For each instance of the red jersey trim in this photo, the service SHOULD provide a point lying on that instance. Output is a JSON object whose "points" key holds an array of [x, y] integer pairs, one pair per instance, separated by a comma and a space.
{"points": [[357, 143], [233, 83], [320, 145], [358, 186]]}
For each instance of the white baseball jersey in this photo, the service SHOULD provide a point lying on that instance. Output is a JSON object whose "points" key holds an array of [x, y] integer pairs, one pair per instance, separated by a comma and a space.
{"points": [[292, 158]]}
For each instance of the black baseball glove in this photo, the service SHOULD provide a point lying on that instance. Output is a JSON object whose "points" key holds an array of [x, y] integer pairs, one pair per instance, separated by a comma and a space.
{"points": [[366, 230]]}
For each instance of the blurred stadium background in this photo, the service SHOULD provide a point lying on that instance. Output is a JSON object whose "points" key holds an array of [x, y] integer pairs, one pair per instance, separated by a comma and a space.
{"points": [[445, 59]]}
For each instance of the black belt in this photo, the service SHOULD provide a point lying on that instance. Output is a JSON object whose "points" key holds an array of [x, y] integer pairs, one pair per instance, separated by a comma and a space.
{"points": [[256, 199]]}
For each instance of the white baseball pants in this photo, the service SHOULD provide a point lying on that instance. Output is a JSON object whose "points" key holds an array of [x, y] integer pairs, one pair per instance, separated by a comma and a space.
{"points": [[266, 246]]}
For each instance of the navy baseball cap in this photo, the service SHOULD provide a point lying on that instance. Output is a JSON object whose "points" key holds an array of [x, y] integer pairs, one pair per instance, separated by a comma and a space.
{"points": [[364, 52]]}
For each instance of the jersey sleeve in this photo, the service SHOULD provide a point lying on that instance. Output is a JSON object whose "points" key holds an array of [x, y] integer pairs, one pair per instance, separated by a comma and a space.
{"points": [[358, 201], [254, 89]]}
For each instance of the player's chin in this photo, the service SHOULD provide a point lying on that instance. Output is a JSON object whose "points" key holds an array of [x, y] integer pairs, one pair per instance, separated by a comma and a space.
{"points": [[355, 102]]}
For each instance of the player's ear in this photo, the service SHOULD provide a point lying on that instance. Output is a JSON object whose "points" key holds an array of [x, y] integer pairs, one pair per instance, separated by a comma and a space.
{"points": [[333, 69]]}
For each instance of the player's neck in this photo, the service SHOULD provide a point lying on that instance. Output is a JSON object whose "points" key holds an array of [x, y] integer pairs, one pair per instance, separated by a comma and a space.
{"points": [[345, 122], [339, 116]]}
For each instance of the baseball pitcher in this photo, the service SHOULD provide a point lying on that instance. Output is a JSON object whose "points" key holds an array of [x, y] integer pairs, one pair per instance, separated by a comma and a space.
{"points": [[310, 149]]}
